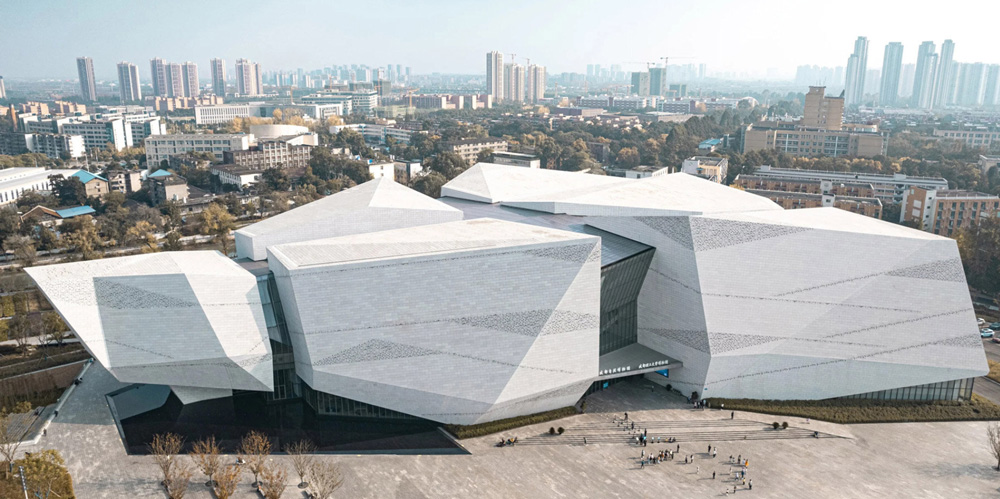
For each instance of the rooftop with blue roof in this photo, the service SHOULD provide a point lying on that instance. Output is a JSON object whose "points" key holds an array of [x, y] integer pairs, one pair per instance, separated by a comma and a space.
{"points": [[86, 176]]}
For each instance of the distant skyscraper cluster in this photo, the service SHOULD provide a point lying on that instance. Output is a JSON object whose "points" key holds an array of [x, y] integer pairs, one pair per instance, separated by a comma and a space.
{"points": [[935, 81], [219, 77], [513, 82], [171, 79]]}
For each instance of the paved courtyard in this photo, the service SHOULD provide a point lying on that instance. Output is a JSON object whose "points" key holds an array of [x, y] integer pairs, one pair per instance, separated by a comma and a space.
{"points": [[915, 460]]}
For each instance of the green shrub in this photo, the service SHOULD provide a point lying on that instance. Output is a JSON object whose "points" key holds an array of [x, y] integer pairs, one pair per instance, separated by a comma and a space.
{"points": [[784, 425], [848, 411], [775, 425], [552, 430], [478, 430], [561, 430]]}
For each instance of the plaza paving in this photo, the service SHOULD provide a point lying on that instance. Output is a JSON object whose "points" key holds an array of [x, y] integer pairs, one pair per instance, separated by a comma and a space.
{"points": [[914, 460]]}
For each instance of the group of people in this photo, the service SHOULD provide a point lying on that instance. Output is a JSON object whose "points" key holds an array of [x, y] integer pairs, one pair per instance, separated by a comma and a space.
{"points": [[739, 472], [506, 442]]}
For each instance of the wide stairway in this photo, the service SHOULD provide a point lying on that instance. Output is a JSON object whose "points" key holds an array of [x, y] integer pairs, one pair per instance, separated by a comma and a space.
{"points": [[612, 432]]}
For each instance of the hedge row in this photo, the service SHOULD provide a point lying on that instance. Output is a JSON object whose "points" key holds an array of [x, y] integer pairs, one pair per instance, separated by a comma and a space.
{"points": [[848, 411], [994, 370], [478, 430]]}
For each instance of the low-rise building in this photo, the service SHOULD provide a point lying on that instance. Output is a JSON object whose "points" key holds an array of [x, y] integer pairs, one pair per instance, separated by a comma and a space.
{"points": [[95, 185], [161, 147], [946, 211], [165, 186], [517, 159], [469, 149], [889, 188], [97, 132], [799, 140], [975, 137], [53, 145], [281, 152], [52, 217], [776, 183], [377, 134], [408, 170], [987, 162], [224, 113], [124, 181], [174, 103], [382, 170], [234, 175], [712, 168], [646, 171], [867, 206]]}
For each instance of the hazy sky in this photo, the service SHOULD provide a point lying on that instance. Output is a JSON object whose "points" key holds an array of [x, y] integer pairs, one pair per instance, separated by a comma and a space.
{"points": [[42, 38]]}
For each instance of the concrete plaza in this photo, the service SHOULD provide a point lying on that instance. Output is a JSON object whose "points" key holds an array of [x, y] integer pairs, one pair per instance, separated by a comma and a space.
{"points": [[914, 460]]}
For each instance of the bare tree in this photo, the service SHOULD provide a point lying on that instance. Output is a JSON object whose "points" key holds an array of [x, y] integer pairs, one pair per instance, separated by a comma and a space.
{"points": [[206, 455], [20, 330], [302, 459], [180, 477], [163, 449], [275, 480], [254, 449], [226, 481], [10, 440], [993, 433], [326, 479]]}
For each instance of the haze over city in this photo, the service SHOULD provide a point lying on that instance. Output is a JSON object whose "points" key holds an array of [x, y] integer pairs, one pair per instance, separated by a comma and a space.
{"points": [[445, 249], [449, 36]]}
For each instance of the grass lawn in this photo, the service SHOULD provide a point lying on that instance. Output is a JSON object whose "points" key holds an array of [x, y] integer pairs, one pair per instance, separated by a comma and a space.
{"points": [[994, 370]]}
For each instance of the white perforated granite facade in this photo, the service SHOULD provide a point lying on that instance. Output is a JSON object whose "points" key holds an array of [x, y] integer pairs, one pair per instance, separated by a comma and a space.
{"points": [[461, 322], [803, 304], [190, 319], [379, 204]]}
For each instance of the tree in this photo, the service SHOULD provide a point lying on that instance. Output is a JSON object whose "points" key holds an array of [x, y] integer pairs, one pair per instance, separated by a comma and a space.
{"points": [[226, 481], [23, 248], [628, 157], [70, 191], [10, 222], [993, 440], [447, 163], [46, 476], [20, 331], [430, 184], [163, 448], [326, 479], [206, 455], [142, 233], [53, 327], [484, 155], [302, 456], [80, 233], [274, 179], [254, 449], [180, 477], [218, 222], [173, 242], [275, 479], [10, 439]]}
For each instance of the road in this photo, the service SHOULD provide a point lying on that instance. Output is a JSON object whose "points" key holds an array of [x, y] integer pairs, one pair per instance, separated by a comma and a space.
{"points": [[984, 386]]}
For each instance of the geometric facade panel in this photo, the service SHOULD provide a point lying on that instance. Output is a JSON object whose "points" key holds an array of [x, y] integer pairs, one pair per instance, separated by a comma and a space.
{"points": [[190, 319], [379, 204], [454, 332]]}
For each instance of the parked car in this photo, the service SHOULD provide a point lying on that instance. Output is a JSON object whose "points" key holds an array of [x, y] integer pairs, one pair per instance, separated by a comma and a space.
{"points": [[994, 326], [995, 340], [986, 333], [981, 321]]}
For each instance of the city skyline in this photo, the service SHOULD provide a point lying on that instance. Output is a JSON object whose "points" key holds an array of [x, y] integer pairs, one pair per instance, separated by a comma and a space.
{"points": [[741, 49]]}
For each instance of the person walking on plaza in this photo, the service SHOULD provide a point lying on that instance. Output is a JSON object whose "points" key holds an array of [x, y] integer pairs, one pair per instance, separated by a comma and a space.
{"points": [[732, 415], [751, 484], [713, 476], [626, 416]]}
